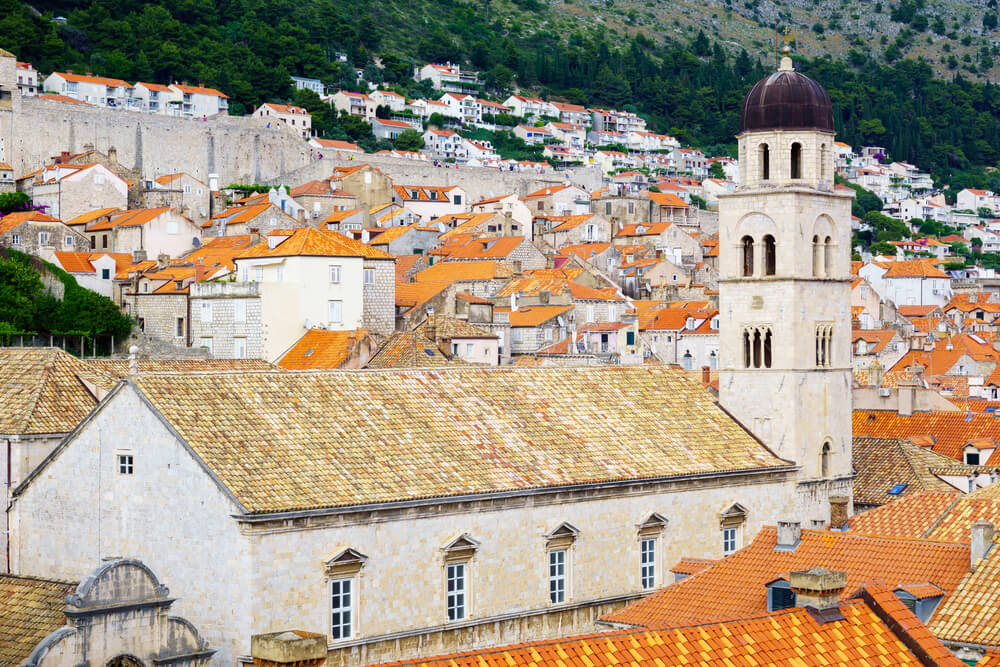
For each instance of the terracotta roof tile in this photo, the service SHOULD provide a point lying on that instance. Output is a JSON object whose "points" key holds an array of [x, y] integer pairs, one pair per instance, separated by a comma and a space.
{"points": [[735, 586], [692, 565], [285, 441], [46, 390], [446, 327], [951, 430], [881, 464], [319, 349], [533, 316], [875, 630], [312, 242], [449, 272], [409, 350], [32, 608], [118, 368]]}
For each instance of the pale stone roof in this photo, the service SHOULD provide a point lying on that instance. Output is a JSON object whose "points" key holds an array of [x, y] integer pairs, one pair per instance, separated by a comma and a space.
{"points": [[291, 441]]}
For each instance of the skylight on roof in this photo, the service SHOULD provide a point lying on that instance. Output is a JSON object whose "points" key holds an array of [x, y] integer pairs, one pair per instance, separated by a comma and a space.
{"points": [[896, 490], [309, 352], [430, 352]]}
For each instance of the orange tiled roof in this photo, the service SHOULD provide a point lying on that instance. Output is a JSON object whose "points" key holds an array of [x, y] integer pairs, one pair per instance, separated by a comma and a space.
{"points": [[449, 272], [312, 242], [199, 90], [586, 250], [81, 78], [950, 430], [319, 349], [912, 269], [56, 97], [131, 218], [876, 629], [533, 316], [487, 248], [691, 566], [667, 199], [879, 337], [735, 587], [915, 311]]}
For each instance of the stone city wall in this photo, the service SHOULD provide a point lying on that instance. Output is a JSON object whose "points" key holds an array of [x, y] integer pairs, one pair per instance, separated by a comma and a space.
{"points": [[238, 149]]}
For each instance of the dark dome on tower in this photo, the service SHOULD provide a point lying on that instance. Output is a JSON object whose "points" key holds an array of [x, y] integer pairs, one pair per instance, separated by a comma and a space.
{"points": [[786, 100]]}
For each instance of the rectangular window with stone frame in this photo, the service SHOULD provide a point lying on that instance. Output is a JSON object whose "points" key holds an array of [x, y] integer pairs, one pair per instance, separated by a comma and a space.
{"points": [[458, 556], [342, 572], [559, 552]]}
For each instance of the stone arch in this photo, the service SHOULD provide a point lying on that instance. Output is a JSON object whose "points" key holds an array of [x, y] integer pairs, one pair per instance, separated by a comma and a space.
{"points": [[822, 235], [124, 660], [104, 584], [826, 458]]}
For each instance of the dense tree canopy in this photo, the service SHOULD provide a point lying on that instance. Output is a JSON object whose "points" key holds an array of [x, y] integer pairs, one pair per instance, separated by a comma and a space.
{"points": [[692, 88]]}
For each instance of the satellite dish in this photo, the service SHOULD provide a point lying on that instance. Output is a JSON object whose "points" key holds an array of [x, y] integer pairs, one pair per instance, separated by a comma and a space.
{"points": [[196, 242]]}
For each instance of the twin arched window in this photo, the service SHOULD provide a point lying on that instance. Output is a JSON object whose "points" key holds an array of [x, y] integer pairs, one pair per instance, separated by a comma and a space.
{"points": [[824, 345], [822, 257], [757, 347], [770, 255]]}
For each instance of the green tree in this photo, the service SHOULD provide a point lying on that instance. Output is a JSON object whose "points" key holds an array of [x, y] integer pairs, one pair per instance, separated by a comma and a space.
{"points": [[883, 248], [13, 201], [990, 21], [716, 171], [408, 140], [20, 287]]}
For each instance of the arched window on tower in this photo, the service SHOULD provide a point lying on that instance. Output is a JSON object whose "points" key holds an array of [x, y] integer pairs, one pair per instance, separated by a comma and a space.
{"points": [[817, 258], [765, 162], [713, 360], [747, 255], [828, 256], [767, 348], [824, 342], [746, 349], [824, 463], [756, 348], [823, 173], [770, 262], [796, 162]]}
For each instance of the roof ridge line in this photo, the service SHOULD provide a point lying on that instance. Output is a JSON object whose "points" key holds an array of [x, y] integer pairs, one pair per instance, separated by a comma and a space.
{"points": [[937, 522]]}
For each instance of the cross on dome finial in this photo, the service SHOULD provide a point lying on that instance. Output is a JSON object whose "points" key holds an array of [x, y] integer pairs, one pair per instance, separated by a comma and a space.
{"points": [[786, 51]]}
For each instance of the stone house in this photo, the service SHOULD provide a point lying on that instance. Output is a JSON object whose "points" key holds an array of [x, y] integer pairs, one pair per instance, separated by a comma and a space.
{"points": [[698, 341], [517, 251], [431, 202], [7, 181], [622, 208], [240, 220], [534, 327], [508, 205], [371, 187], [153, 231], [320, 199], [95, 271], [666, 237], [355, 104], [181, 192], [345, 221], [295, 118], [482, 278], [313, 481], [558, 200], [562, 231], [444, 145], [649, 277], [47, 393], [298, 280], [461, 340], [35, 233], [409, 240], [884, 347], [603, 257], [71, 190], [906, 282]]}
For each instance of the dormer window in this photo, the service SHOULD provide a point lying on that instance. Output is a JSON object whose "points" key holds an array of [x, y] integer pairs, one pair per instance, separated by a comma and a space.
{"points": [[780, 595], [972, 456], [272, 242]]}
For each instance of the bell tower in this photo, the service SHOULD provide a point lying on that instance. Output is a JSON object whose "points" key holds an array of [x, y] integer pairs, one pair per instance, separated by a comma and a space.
{"points": [[784, 288]]}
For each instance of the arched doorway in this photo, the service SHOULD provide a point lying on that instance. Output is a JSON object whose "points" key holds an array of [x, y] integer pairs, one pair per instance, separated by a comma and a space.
{"points": [[125, 661]]}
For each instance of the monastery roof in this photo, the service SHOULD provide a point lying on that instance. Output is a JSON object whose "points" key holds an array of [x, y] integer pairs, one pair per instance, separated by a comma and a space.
{"points": [[295, 441], [46, 390], [319, 349], [876, 629], [32, 608], [312, 242], [735, 587]]}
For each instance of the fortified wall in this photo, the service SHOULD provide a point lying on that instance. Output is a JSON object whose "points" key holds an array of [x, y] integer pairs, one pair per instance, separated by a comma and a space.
{"points": [[238, 149], [478, 182]]}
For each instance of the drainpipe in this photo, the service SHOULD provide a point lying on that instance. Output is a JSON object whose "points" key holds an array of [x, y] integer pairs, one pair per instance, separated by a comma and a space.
{"points": [[7, 511]]}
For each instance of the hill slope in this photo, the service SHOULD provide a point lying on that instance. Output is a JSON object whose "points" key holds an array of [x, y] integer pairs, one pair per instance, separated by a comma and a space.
{"points": [[649, 55]]}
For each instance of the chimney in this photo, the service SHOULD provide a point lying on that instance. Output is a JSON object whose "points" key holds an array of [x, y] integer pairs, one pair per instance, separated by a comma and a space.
{"points": [[288, 648], [138, 256], [162, 260], [838, 512], [789, 535], [133, 360], [513, 302], [706, 375], [112, 156], [905, 396], [430, 329], [69, 71], [819, 591], [544, 296], [982, 540]]}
